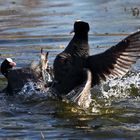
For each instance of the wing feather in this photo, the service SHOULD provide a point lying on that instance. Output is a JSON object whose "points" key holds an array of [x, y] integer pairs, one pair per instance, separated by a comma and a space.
{"points": [[117, 60]]}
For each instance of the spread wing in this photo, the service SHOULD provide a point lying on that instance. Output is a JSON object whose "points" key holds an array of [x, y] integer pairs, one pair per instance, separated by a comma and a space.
{"points": [[115, 61]]}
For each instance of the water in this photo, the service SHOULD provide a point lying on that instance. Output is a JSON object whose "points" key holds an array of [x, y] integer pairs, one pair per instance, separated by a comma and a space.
{"points": [[28, 25]]}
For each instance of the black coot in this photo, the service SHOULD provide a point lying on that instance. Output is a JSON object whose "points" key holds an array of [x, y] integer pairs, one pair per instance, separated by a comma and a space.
{"points": [[69, 65], [18, 77]]}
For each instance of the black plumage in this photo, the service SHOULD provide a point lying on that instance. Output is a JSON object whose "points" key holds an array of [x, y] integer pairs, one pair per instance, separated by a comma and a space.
{"points": [[68, 65], [17, 78], [116, 61]]}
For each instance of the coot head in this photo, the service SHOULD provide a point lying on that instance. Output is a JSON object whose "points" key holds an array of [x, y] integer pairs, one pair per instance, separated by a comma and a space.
{"points": [[7, 64], [81, 26]]}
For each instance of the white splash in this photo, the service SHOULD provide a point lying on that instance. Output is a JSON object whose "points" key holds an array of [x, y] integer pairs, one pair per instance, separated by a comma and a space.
{"points": [[121, 87], [33, 91], [115, 91], [97, 98]]}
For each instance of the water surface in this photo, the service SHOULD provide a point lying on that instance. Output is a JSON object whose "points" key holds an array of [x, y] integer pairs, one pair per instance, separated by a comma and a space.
{"points": [[28, 25]]}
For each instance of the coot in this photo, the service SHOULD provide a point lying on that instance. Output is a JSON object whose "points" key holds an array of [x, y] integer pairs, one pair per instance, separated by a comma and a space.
{"points": [[18, 77], [69, 65]]}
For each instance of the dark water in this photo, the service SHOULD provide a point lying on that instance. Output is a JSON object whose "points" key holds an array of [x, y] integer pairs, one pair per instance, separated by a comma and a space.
{"points": [[28, 25]]}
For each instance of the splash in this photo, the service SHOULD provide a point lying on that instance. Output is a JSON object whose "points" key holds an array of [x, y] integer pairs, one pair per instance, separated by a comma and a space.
{"points": [[33, 91], [116, 92], [80, 95], [122, 87], [96, 99]]}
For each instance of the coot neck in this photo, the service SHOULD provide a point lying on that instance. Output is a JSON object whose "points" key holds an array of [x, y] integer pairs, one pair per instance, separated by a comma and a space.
{"points": [[83, 36]]}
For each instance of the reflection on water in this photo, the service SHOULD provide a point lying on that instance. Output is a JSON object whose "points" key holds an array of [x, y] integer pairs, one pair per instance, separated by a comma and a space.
{"points": [[28, 25]]}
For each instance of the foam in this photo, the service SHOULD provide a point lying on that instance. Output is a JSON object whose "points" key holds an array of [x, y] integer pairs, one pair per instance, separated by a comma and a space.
{"points": [[114, 90]]}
